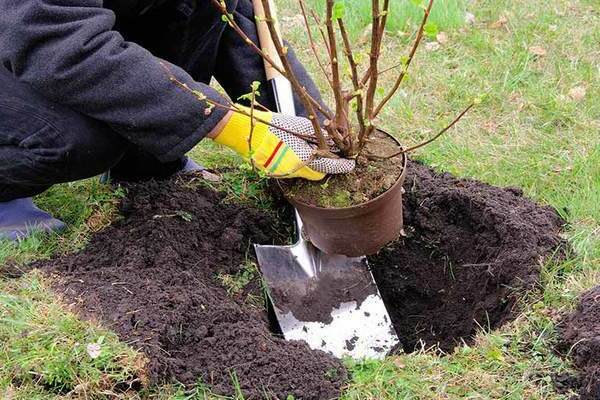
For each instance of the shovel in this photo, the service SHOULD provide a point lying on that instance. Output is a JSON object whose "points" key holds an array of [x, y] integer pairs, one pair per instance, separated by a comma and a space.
{"points": [[331, 302]]}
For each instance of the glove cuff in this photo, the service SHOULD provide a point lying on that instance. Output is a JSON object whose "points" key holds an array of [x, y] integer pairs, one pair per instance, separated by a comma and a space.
{"points": [[236, 132]]}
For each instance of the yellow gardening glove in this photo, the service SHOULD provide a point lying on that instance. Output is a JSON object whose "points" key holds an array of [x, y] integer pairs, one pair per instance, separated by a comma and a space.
{"points": [[277, 152]]}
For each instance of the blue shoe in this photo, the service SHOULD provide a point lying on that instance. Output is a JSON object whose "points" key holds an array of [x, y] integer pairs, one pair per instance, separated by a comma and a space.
{"points": [[20, 218], [191, 166]]}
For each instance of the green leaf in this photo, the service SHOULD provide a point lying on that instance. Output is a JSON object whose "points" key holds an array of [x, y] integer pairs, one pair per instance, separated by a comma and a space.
{"points": [[418, 3], [339, 10], [431, 29], [184, 215]]}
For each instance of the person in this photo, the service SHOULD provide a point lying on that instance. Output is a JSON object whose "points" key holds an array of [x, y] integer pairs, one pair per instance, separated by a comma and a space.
{"points": [[87, 86]]}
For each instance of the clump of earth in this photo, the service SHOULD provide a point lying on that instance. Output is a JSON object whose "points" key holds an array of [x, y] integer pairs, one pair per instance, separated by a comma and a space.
{"points": [[580, 340]]}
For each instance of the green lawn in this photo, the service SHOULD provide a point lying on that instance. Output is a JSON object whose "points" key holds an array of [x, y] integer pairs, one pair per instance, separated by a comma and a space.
{"points": [[535, 128]]}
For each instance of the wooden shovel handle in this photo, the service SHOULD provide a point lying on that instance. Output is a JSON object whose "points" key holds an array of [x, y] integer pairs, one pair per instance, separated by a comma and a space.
{"points": [[264, 35]]}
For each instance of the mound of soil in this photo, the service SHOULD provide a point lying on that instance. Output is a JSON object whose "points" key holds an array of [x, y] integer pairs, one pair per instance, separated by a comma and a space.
{"points": [[580, 340], [152, 278], [470, 249]]}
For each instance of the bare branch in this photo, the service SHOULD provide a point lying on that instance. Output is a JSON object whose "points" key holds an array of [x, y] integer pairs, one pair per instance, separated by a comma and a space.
{"points": [[358, 87], [306, 99], [230, 106], [341, 120], [222, 7], [408, 61], [377, 32], [433, 139], [320, 28], [313, 45], [252, 126]]}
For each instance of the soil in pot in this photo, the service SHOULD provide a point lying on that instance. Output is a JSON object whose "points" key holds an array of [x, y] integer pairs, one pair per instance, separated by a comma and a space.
{"points": [[152, 277], [580, 340], [371, 178]]}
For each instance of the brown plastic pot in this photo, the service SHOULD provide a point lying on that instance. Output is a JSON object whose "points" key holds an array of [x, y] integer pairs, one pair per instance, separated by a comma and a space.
{"points": [[358, 230]]}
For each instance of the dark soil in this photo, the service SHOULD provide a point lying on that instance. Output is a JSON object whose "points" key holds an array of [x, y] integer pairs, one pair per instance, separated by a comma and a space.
{"points": [[580, 340], [370, 179], [469, 250], [313, 300], [152, 279]]}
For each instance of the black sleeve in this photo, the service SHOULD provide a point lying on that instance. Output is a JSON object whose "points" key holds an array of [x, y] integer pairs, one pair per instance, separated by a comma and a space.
{"points": [[68, 51]]}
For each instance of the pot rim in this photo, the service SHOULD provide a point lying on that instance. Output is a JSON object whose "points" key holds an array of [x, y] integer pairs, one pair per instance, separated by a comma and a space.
{"points": [[399, 181]]}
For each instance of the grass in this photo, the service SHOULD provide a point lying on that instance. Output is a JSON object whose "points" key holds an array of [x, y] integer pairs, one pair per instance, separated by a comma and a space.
{"points": [[527, 132], [446, 14], [239, 181], [45, 349]]}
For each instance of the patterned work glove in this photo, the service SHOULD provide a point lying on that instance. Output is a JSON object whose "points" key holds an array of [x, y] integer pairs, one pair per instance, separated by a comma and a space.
{"points": [[277, 152]]}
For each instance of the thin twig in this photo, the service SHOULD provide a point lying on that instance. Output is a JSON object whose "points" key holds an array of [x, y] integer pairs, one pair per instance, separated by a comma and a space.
{"points": [[341, 120], [312, 43], [358, 88], [411, 55], [232, 107], [220, 4], [252, 126], [418, 146], [303, 94], [320, 28], [377, 31]]}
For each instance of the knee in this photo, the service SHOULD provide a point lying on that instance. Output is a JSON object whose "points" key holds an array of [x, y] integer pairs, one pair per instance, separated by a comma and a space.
{"points": [[91, 150], [43, 143], [40, 150]]}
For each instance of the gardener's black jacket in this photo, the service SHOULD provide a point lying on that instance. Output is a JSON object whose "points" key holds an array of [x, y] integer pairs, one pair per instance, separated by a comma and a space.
{"points": [[96, 58]]}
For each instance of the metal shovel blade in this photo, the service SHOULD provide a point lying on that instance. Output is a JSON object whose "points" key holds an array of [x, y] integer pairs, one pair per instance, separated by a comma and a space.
{"points": [[329, 301]]}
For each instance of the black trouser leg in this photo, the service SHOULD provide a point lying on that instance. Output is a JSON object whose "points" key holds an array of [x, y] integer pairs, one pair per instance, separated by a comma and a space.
{"points": [[138, 165], [42, 143]]}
